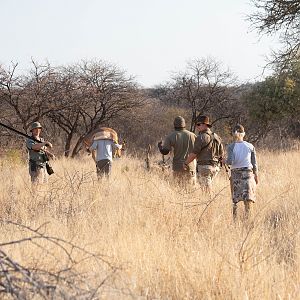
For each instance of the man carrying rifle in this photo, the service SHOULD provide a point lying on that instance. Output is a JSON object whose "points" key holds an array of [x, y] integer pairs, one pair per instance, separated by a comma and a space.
{"points": [[38, 155]]}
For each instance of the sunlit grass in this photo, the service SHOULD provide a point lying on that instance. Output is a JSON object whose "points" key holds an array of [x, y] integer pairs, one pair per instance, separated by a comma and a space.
{"points": [[166, 242]]}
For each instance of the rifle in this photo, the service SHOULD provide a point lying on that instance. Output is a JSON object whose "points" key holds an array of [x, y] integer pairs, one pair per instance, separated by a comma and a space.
{"points": [[48, 167], [20, 133]]}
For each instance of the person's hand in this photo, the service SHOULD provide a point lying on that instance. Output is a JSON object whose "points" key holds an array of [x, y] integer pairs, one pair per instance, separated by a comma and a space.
{"points": [[256, 178], [48, 144]]}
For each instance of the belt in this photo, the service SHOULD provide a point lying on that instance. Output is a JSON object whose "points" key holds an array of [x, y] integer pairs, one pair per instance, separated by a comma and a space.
{"points": [[242, 169], [208, 163]]}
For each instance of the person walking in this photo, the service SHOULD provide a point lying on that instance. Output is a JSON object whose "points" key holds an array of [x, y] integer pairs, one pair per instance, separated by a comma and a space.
{"points": [[182, 142], [102, 148], [38, 155], [241, 158], [208, 150]]}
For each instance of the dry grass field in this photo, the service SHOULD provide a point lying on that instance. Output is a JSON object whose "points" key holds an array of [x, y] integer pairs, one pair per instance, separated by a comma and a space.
{"points": [[138, 236]]}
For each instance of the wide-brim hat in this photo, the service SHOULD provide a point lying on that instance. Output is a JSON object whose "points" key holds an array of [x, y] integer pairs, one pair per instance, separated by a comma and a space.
{"points": [[203, 120], [35, 125]]}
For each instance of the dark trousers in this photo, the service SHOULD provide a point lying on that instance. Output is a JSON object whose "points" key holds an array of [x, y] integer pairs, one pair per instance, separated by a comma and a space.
{"points": [[103, 167]]}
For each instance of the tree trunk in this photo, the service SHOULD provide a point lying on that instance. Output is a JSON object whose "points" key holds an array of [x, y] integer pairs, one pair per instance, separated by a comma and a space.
{"points": [[68, 144], [77, 147]]}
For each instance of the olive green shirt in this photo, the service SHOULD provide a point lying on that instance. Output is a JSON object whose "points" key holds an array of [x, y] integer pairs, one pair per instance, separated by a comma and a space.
{"points": [[37, 156], [182, 141]]}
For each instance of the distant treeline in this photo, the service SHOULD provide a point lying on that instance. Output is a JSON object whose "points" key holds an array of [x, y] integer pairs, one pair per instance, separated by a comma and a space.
{"points": [[70, 101]]}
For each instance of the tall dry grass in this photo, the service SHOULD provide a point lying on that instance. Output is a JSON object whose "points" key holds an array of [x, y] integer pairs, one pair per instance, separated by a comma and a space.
{"points": [[164, 242]]}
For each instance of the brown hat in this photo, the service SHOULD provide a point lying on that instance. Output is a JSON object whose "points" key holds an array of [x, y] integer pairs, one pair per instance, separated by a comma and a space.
{"points": [[203, 120], [238, 128], [179, 122]]}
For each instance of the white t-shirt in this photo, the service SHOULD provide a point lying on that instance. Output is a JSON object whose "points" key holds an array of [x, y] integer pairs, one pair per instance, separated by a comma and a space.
{"points": [[240, 155], [104, 149]]}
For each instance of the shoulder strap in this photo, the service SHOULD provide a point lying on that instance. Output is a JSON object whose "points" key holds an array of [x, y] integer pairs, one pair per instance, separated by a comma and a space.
{"points": [[211, 139]]}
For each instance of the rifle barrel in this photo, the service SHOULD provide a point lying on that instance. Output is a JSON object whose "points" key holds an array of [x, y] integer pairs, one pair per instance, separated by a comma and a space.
{"points": [[20, 133]]}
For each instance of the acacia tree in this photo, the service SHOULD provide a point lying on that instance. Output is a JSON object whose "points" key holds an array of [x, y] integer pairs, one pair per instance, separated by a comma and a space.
{"points": [[205, 86], [72, 101], [97, 93], [28, 98], [279, 16]]}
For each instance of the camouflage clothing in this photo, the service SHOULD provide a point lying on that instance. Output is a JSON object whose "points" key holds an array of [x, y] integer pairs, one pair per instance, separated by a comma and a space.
{"points": [[206, 175], [242, 185]]}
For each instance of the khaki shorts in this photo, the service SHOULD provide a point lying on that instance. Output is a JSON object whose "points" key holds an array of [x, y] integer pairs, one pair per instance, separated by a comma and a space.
{"points": [[206, 174]]}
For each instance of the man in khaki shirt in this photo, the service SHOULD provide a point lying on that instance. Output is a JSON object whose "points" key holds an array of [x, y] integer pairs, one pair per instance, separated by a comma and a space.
{"points": [[182, 142], [208, 150]]}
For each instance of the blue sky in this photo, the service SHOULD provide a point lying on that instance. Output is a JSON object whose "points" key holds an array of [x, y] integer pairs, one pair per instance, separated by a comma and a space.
{"points": [[148, 39]]}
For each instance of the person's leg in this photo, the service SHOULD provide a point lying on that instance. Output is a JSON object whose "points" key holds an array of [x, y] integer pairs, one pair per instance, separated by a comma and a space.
{"points": [[248, 204], [214, 171], [103, 168], [205, 178], [38, 176], [234, 211], [107, 167], [192, 178], [189, 180], [178, 178]]}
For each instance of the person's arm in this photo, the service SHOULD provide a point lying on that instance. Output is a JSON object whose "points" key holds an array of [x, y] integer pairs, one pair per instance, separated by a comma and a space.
{"points": [[117, 146], [190, 158], [254, 164], [165, 148], [93, 150], [222, 151], [230, 155], [94, 155], [198, 146], [162, 150], [37, 146]]}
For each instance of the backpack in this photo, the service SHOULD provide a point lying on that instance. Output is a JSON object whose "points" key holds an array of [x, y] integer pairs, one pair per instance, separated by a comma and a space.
{"points": [[216, 146]]}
